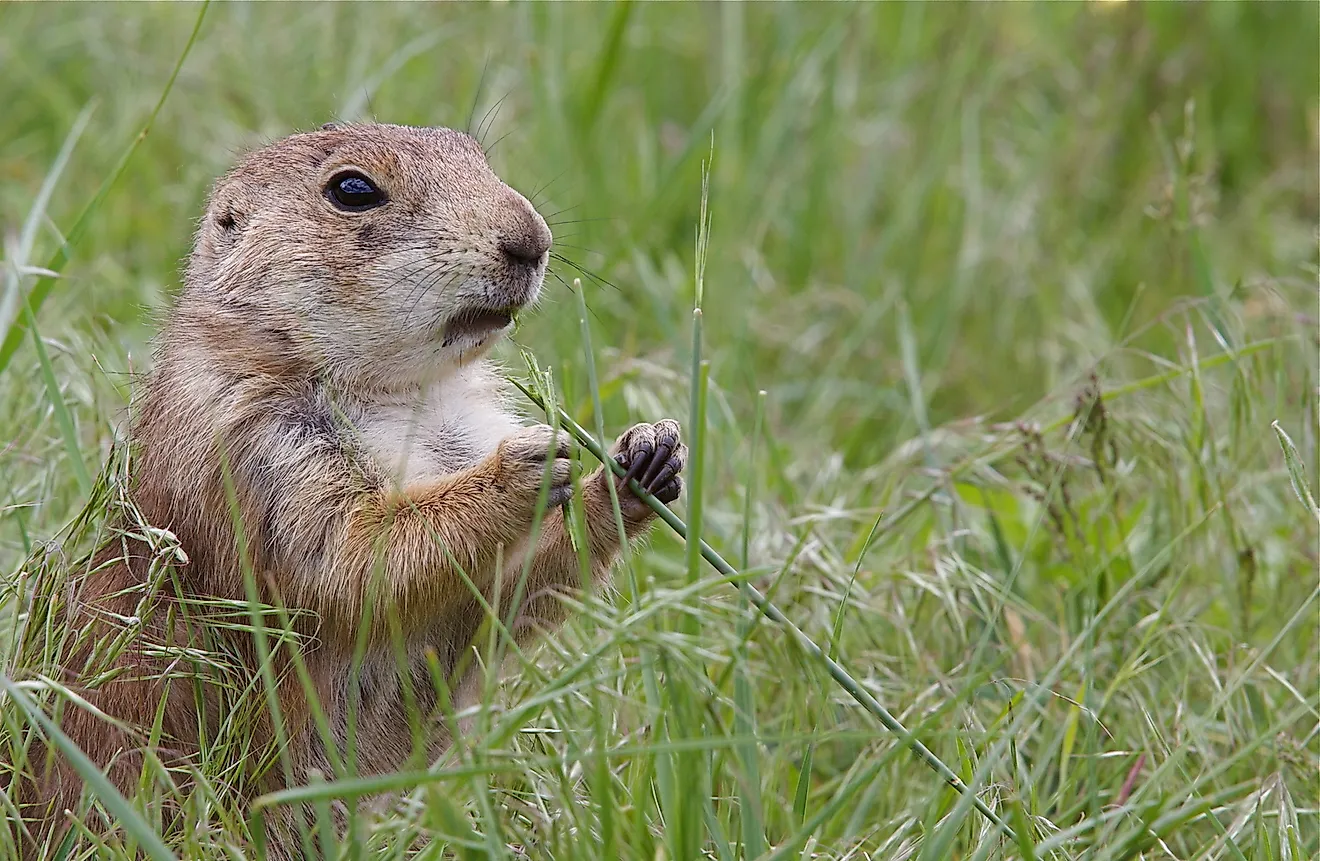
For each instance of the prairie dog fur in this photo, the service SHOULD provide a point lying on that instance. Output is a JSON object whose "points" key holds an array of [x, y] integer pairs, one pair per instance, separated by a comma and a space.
{"points": [[326, 358]]}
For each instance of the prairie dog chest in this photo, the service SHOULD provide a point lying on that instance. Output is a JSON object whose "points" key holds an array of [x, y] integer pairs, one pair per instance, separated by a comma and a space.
{"points": [[441, 430]]}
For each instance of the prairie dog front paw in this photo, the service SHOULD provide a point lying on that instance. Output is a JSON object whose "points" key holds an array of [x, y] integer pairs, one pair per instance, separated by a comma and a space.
{"points": [[522, 464], [655, 455]]}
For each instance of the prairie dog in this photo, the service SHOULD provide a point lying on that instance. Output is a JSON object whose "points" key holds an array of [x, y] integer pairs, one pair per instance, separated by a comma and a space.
{"points": [[326, 361]]}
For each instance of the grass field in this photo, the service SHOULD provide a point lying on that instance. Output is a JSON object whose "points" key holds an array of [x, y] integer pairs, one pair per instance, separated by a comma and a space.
{"points": [[1000, 305]]}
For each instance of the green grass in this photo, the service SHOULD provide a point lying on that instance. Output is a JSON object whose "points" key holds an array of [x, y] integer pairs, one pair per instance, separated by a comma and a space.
{"points": [[1025, 288]]}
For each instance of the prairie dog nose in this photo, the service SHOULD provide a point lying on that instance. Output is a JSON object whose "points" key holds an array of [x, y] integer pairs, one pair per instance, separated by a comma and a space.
{"points": [[527, 239]]}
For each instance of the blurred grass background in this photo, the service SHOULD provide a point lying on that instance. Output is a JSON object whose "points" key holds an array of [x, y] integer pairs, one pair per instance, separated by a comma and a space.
{"points": [[936, 230]]}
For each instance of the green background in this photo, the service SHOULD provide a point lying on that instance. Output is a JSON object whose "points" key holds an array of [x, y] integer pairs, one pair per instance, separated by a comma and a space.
{"points": [[934, 229]]}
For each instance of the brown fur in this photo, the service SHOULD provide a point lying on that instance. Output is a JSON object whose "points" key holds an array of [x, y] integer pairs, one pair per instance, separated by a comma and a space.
{"points": [[307, 362]]}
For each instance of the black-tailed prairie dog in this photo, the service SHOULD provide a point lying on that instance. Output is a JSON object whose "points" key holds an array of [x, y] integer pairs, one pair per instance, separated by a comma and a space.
{"points": [[325, 361]]}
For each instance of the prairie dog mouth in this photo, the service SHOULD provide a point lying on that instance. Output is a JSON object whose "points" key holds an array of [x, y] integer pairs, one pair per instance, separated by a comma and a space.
{"points": [[477, 324]]}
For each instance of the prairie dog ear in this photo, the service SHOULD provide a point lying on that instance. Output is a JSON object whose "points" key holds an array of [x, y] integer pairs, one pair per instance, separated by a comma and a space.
{"points": [[222, 226], [228, 220]]}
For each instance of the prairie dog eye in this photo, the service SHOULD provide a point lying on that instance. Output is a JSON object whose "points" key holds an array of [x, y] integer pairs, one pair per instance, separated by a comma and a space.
{"points": [[353, 192]]}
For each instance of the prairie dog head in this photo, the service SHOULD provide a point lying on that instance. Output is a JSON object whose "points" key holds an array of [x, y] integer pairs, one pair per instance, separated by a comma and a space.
{"points": [[382, 255]]}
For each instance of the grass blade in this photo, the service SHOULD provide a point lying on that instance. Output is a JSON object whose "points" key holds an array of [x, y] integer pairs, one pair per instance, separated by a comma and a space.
{"points": [[62, 416], [19, 262], [42, 288], [98, 783], [1296, 470], [750, 806]]}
